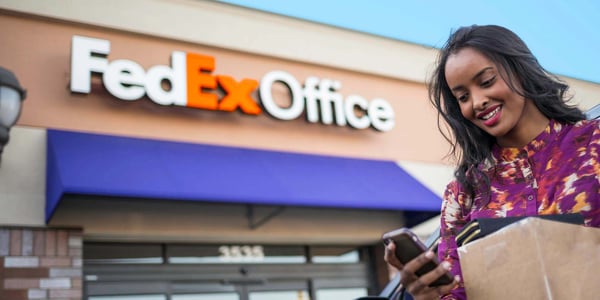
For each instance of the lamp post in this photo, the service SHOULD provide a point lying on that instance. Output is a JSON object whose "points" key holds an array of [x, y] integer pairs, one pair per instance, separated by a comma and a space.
{"points": [[11, 98]]}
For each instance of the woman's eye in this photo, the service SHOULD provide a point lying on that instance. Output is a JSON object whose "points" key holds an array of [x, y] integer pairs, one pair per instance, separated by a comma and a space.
{"points": [[462, 98], [488, 82]]}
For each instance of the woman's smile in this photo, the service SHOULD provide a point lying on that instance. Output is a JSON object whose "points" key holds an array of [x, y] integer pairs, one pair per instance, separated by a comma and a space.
{"points": [[491, 116]]}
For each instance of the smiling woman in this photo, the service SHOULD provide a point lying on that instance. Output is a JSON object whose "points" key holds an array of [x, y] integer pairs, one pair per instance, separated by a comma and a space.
{"points": [[510, 125]]}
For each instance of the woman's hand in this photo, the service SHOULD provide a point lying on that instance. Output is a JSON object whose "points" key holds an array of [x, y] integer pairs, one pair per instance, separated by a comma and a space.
{"points": [[418, 287]]}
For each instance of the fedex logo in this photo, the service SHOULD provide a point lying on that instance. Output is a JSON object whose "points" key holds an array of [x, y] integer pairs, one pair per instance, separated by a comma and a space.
{"points": [[191, 84]]}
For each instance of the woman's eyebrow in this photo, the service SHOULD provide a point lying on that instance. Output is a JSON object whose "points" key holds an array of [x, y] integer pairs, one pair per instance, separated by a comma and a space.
{"points": [[481, 72], [478, 74]]}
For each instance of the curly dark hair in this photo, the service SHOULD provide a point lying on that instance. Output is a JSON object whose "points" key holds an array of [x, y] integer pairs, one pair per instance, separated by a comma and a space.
{"points": [[517, 66]]}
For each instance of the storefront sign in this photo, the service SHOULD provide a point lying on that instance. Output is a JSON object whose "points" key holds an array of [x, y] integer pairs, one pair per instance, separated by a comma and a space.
{"points": [[190, 82]]}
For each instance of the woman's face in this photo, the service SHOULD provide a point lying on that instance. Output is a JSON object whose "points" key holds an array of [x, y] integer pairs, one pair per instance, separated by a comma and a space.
{"points": [[484, 97]]}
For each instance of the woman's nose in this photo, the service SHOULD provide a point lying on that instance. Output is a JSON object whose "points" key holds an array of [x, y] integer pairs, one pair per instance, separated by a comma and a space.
{"points": [[480, 102]]}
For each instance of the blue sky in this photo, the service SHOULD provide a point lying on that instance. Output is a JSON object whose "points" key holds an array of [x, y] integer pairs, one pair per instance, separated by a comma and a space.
{"points": [[563, 34]]}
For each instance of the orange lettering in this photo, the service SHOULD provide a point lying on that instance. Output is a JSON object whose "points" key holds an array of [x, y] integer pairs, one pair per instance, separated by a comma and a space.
{"points": [[238, 95], [197, 80]]}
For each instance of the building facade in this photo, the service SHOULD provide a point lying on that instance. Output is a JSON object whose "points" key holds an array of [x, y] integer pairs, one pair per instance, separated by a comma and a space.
{"points": [[197, 150]]}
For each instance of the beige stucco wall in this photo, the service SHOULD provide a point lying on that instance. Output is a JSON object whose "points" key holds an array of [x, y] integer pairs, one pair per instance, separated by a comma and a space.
{"points": [[229, 27], [41, 58], [23, 177]]}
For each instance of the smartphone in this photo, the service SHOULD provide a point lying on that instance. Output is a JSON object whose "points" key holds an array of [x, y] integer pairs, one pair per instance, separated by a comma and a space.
{"points": [[408, 247]]}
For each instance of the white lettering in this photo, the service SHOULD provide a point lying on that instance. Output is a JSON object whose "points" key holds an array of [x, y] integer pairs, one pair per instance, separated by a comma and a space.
{"points": [[311, 95], [124, 79], [352, 102], [327, 98], [83, 63], [177, 95], [266, 95], [243, 253], [318, 98], [381, 114]]}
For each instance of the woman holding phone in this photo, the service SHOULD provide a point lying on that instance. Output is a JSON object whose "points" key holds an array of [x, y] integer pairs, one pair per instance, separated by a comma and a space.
{"points": [[521, 149]]}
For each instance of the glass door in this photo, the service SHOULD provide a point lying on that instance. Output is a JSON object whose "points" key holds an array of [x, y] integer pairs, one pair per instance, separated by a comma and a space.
{"points": [[281, 290], [251, 290], [207, 296], [130, 297], [129, 271], [279, 295]]}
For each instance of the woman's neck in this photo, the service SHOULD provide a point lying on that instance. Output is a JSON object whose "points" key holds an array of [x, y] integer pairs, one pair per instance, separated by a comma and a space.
{"points": [[531, 124]]}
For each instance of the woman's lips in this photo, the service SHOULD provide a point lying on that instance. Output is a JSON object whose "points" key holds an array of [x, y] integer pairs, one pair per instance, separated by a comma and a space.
{"points": [[491, 116]]}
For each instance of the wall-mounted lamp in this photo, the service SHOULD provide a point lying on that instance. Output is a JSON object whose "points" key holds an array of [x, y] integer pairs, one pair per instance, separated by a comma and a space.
{"points": [[11, 98]]}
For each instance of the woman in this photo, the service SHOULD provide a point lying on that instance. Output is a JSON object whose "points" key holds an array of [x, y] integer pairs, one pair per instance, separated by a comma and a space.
{"points": [[521, 149]]}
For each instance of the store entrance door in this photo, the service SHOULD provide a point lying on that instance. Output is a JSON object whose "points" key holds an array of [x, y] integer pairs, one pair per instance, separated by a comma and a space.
{"points": [[121, 271], [240, 290], [245, 290]]}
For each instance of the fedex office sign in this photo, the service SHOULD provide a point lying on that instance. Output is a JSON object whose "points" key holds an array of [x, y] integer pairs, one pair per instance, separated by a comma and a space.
{"points": [[191, 84]]}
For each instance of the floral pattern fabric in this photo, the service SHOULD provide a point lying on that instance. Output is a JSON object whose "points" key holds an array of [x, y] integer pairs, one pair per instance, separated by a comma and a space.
{"points": [[557, 172]]}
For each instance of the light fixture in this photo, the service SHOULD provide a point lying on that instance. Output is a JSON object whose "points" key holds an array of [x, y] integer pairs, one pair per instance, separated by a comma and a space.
{"points": [[11, 98]]}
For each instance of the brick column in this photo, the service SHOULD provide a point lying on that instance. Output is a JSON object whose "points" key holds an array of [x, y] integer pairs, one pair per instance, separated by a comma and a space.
{"points": [[40, 263]]}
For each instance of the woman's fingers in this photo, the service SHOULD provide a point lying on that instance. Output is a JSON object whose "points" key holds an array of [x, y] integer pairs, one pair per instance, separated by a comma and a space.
{"points": [[415, 264], [441, 270], [416, 286], [390, 256], [422, 283], [408, 276], [445, 289]]}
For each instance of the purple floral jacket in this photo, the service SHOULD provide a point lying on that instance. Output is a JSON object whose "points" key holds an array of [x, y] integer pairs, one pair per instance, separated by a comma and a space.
{"points": [[557, 172]]}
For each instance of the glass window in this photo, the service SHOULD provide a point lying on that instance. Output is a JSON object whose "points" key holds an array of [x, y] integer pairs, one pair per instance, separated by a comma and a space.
{"points": [[212, 296], [341, 293], [279, 295], [225, 254], [334, 254], [130, 297], [109, 253]]}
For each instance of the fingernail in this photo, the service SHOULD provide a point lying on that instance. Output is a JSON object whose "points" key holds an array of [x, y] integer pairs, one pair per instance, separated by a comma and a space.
{"points": [[446, 265], [457, 278], [429, 254]]}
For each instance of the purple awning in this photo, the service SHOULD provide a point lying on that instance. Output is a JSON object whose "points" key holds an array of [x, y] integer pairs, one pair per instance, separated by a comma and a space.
{"points": [[92, 164]]}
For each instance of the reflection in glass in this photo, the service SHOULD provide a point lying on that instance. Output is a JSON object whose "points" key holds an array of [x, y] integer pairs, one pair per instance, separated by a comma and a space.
{"points": [[115, 253], [279, 295], [130, 297], [335, 254], [212, 296], [342, 293]]}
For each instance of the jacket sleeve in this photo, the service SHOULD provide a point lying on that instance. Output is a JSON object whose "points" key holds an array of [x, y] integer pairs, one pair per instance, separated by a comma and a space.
{"points": [[592, 215], [452, 221]]}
